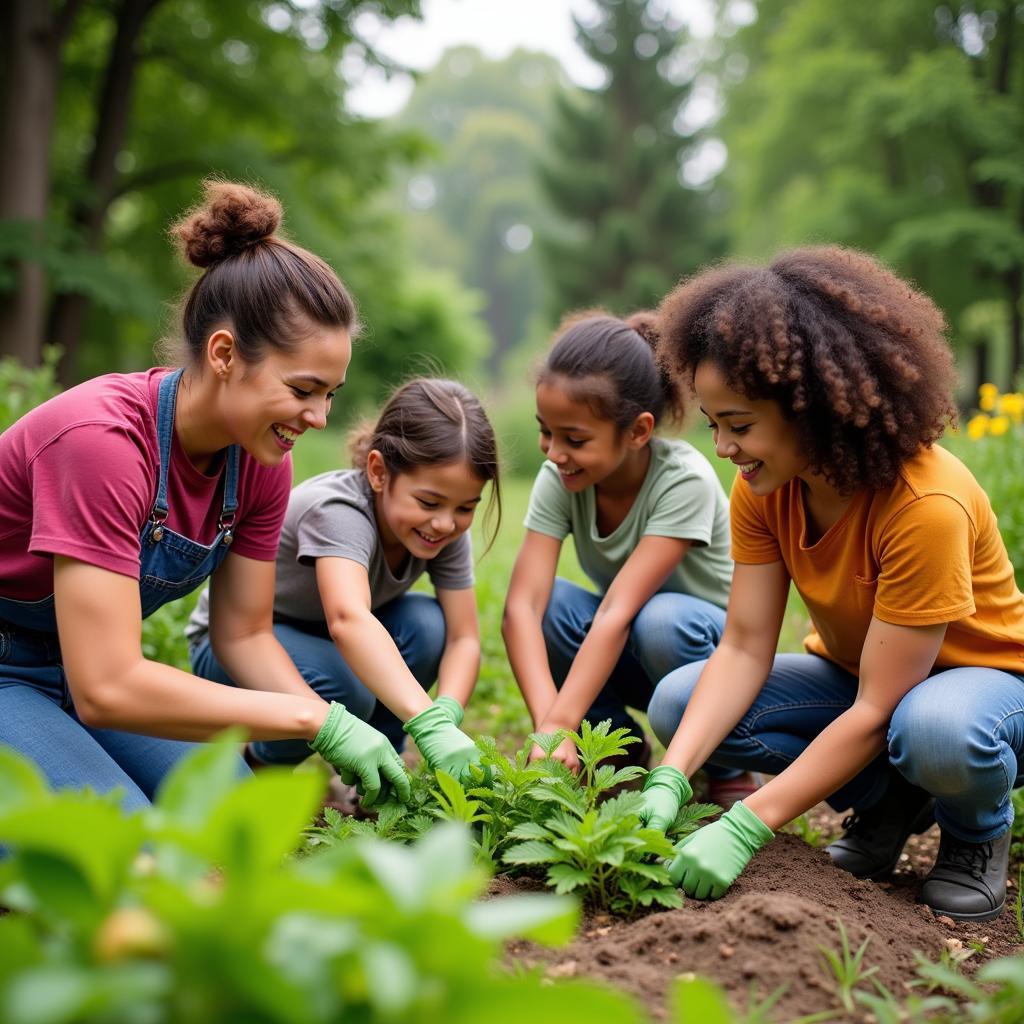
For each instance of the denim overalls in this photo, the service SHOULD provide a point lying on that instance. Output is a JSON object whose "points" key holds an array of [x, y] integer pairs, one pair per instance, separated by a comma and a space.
{"points": [[37, 716]]}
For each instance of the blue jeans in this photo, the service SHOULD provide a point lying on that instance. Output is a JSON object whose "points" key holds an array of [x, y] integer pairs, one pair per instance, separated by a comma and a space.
{"points": [[959, 735], [414, 621], [670, 630], [38, 719]]}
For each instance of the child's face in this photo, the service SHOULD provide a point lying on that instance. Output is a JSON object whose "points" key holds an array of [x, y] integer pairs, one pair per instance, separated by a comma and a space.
{"points": [[425, 509], [754, 435], [584, 448]]}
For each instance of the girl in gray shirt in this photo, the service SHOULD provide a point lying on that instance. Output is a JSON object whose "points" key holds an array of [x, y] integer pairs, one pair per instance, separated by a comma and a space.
{"points": [[354, 542]]}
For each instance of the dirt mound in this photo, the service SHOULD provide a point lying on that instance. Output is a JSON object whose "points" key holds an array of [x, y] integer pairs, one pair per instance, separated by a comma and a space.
{"points": [[768, 931]]}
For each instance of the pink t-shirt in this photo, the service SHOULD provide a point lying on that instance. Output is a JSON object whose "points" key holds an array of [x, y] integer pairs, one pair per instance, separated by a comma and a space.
{"points": [[79, 474]]}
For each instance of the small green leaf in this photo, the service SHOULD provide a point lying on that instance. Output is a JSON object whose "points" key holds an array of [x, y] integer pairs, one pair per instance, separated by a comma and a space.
{"points": [[21, 782], [567, 877], [551, 920], [697, 999], [195, 786], [533, 851]]}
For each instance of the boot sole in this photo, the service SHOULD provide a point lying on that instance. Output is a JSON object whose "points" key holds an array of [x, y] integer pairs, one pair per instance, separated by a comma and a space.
{"points": [[986, 915]]}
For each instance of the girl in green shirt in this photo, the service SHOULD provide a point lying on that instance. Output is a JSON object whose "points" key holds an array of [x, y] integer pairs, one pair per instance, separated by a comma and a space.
{"points": [[650, 524]]}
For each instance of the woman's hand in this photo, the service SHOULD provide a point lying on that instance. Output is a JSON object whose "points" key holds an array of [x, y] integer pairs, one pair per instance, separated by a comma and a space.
{"points": [[355, 748]]}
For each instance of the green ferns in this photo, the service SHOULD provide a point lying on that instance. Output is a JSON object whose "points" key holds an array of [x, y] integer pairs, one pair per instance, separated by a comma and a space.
{"points": [[538, 817]]}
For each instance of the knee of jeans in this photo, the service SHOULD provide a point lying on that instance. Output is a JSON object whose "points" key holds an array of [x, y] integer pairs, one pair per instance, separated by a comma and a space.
{"points": [[670, 698], [562, 623], [277, 752], [933, 748], [423, 636]]}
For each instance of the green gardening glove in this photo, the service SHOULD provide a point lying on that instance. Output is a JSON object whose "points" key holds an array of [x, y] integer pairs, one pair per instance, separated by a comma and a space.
{"points": [[455, 710], [444, 747], [665, 790], [709, 860], [357, 750]]}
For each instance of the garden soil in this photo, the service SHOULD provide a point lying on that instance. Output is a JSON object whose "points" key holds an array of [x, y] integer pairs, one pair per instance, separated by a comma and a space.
{"points": [[769, 929]]}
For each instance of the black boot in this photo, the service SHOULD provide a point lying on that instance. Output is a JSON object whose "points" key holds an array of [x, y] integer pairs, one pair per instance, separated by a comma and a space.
{"points": [[873, 841], [968, 881]]}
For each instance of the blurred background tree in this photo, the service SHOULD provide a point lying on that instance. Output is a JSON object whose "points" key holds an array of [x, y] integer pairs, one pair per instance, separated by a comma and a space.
{"points": [[475, 206], [614, 168], [503, 194], [148, 98], [897, 128]]}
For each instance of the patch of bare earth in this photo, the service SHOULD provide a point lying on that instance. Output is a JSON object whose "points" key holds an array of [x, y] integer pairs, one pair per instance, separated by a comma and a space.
{"points": [[768, 931]]}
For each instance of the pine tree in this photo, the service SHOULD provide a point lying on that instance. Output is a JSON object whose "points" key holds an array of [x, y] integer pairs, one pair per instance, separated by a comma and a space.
{"points": [[614, 176]]}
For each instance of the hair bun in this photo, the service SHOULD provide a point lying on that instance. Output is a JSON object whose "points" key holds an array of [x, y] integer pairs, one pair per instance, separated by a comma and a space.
{"points": [[232, 218], [645, 323]]}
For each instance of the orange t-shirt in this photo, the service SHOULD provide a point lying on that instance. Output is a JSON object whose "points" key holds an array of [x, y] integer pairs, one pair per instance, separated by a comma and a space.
{"points": [[924, 551]]}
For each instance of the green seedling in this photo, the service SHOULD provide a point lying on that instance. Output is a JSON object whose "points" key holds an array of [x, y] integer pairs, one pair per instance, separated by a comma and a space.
{"points": [[847, 966], [811, 835], [1018, 904]]}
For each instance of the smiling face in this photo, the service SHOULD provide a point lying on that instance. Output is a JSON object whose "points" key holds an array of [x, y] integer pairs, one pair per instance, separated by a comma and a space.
{"points": [[753, 434], [585, 449], [423, 510], [267, 406]]}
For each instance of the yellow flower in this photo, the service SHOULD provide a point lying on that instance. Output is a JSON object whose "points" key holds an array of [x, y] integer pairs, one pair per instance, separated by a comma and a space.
{"points": [[1012, 405], [998, 425], [977, 427]]}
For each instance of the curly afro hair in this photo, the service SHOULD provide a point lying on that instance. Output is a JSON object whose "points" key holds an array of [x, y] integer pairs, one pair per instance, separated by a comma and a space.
{"points": [[855, 356]]}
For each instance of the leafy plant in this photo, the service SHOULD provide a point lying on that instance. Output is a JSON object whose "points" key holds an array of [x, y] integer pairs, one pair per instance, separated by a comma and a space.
{"points": [[539, 817], [846, 966], [22, 388], [197, 912], [602, 853], [810, 834], [1018, 904]]}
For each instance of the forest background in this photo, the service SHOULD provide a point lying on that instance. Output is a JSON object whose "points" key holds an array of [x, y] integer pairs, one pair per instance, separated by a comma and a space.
{"points": [[503, 195]]}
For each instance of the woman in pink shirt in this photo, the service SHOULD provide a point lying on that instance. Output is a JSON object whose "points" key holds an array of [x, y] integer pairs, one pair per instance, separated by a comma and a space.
{"points": [[130, 490]]}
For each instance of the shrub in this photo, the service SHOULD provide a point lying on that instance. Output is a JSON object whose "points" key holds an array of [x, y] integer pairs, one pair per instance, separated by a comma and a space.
{"points": [[196, 912]]}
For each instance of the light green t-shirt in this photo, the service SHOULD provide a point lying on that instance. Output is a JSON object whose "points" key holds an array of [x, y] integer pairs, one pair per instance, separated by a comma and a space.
{"points": [[680, 497]]}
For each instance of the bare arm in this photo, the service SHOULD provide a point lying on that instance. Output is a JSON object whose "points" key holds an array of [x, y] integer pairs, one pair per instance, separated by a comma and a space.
{"points": [[460, 662], [99, 621], [242, 628], [737, 669], [894, 660], [646, 569], [364, 643], [529, 591]]}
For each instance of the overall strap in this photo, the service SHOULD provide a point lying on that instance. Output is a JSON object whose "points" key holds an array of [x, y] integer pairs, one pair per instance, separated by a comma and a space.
{"points": [[164, 434], [230, 506]]}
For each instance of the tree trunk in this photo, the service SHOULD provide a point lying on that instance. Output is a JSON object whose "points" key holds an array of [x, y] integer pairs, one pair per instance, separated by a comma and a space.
{"points": [[1015, 288], [980, 353], [33, 33], [70, 309]]}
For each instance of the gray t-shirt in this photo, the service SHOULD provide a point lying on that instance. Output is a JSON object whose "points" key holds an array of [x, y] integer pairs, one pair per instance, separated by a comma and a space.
{"points": [[332, 516], [680, 497]]}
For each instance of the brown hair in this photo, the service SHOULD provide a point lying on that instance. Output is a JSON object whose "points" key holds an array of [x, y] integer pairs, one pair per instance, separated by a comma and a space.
{"points": [[855, 356], [264, 288], [431, 421], [610, 365]]}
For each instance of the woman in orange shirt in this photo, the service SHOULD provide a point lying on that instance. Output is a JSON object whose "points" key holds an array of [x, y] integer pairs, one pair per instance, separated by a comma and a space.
{"points": [[826, 380]]}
